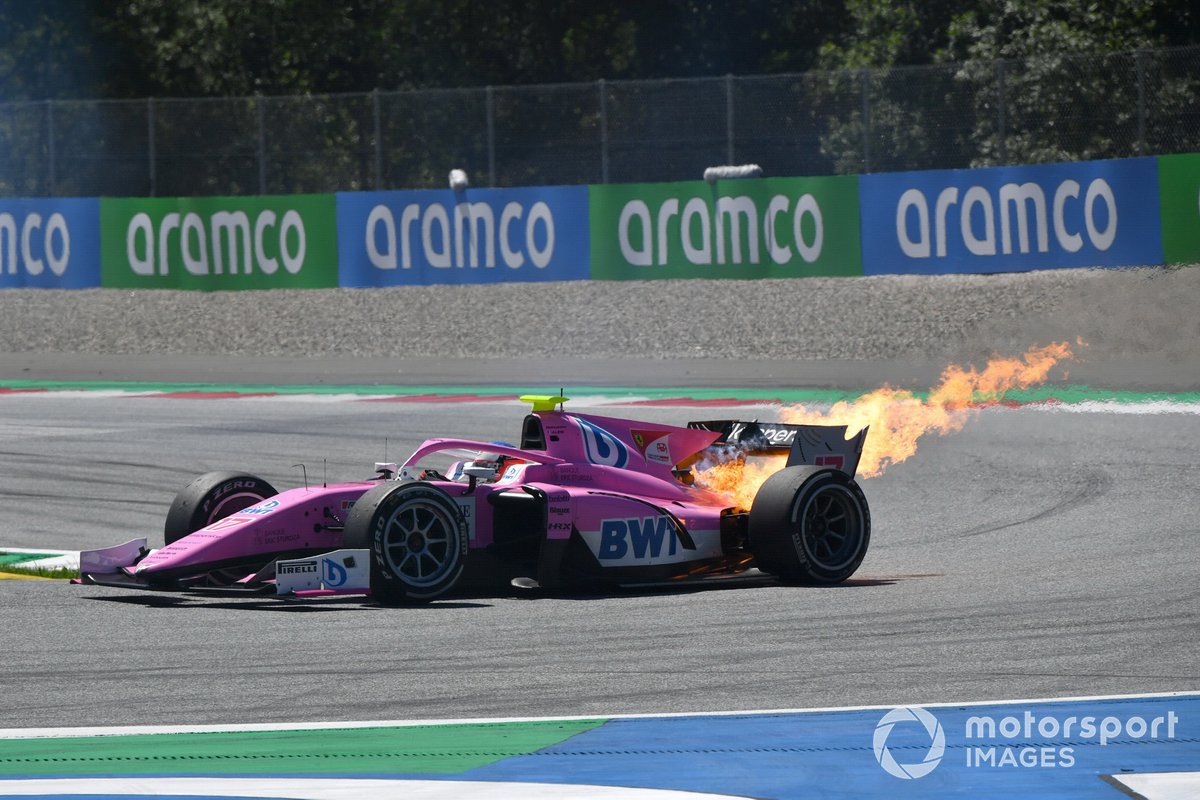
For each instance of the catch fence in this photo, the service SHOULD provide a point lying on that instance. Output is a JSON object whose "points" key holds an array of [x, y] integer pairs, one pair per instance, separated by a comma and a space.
{"points": [[969, 114]]}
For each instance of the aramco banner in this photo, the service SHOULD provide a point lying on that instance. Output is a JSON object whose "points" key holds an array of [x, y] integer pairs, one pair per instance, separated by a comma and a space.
{"points": [[469, 236], [271, 242], [1124, 212], [1179, 192], [749, 228], [1007, 219], [49, 243]]}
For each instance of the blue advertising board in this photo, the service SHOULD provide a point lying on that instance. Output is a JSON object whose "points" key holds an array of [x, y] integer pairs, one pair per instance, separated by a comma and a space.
{"points": [[49, 243], [1010, 219], [472, 236]]}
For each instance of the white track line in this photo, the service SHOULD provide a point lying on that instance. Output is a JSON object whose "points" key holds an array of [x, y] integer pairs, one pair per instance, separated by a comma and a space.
{"points": [[1162, 785], [1113, 407], [42, 733]]}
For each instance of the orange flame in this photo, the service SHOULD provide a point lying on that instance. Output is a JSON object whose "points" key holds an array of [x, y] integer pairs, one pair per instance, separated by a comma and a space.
{"points": [[897, 419]]}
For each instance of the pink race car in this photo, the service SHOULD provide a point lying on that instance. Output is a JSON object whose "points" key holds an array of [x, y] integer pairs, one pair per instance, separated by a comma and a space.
{"points": [[584, 501]]}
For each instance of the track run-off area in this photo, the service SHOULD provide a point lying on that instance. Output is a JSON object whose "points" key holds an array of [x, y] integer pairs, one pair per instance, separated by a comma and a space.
{"points": [[1047, 550]]}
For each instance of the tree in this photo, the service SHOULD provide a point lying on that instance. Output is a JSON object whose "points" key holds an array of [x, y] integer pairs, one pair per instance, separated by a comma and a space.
{"points": [[880, 92], [232, 48], [49, 49], [1006, 81], [1057, 80]]}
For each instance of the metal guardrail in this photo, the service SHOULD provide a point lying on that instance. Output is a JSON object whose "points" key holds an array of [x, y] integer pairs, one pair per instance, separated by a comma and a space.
{"points": [[969, 114]]}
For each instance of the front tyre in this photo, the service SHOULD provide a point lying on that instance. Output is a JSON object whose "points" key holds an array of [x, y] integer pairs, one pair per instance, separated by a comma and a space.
{"points": [[810, 525], [211, 497], [417, 537]]}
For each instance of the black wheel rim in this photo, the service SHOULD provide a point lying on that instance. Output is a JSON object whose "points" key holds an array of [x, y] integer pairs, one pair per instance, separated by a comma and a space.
{"points": [[419, 543], [831, 528]]}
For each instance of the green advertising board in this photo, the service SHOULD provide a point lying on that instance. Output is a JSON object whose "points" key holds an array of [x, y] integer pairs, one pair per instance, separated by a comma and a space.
{"points": [[209, 243], [750, 228], [1179, 202]]}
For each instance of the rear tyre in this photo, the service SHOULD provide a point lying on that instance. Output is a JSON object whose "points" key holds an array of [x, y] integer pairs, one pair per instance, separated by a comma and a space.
{"points": [[417, 537], [213, 496], [810, 525]]}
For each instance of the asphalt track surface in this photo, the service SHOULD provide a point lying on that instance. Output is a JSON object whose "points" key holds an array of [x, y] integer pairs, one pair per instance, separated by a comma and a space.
{"points": [[1033, 554]]}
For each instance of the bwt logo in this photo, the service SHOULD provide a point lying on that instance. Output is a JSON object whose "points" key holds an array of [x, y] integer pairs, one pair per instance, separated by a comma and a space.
{"points": [[333, 574], [261, 508], [645, 537], [602, 447], [932, 728]]}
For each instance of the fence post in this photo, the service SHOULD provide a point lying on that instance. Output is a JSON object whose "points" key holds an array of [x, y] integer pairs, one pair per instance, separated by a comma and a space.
{"points": [[1001, 113], [53, 166], [262, 145], [490, 103], [603, 130], [150, 155], [1141, 100], [866, 118], [729, 118], [375, 114]]}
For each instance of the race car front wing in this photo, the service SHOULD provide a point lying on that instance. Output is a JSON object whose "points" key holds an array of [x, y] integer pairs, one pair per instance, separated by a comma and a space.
{"points": [[339, 572]]}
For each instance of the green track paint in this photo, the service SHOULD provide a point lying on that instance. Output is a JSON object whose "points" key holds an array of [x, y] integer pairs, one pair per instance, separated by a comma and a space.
{"points": [[9, 559], [1069, 394], [422, 749]]}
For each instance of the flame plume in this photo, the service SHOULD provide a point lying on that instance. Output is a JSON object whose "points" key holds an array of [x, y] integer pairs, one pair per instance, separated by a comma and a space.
{"points": [[897, 418]]}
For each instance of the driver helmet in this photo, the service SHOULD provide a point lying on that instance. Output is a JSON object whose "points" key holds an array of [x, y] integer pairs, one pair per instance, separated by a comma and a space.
{"points": [[496, 465]]}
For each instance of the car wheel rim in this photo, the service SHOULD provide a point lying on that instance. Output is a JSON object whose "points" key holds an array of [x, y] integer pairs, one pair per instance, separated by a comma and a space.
{"points": [[831, 527], [419, 543]]}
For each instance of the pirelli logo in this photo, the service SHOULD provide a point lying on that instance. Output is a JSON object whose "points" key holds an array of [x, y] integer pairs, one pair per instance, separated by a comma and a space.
{"points": [[298, 568]]}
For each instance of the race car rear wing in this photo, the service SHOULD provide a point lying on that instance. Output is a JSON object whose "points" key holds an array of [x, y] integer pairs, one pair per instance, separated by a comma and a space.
{"points": [[818, 445]]}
